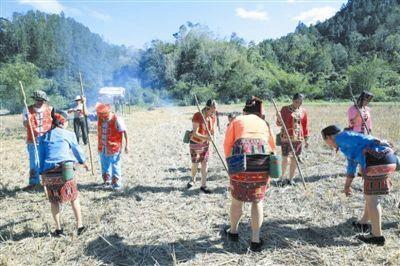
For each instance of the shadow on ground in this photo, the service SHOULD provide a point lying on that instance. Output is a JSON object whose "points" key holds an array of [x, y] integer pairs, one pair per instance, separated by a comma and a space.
{"points": [[138, 191], [281, 234]]}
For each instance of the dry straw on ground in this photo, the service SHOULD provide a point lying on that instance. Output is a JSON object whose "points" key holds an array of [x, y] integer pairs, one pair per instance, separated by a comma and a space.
{"points": [[157, 221]]}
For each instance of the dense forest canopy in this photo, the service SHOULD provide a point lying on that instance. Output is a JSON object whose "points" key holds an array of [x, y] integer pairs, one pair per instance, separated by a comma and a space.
{"points": [[358, 47]]}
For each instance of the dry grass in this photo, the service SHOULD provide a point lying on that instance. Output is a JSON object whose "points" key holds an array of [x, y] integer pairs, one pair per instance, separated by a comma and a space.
{"points": [[157, 221]]}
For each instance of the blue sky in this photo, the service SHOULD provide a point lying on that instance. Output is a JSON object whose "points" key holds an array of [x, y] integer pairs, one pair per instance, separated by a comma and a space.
{"points": [[137, 22]]}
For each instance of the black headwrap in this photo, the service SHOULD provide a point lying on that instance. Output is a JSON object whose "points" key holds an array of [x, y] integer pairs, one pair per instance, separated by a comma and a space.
{"points": [[330, 131], [253, 106], [365, 95], [298, 96]]}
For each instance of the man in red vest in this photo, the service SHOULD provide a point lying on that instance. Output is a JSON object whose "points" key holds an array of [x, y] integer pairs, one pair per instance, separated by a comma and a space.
{"points": [[110, 130], [38, 116]]}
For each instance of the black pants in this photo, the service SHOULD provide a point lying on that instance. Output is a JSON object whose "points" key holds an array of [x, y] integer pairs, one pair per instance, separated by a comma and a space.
{"points": [[80, 125]]}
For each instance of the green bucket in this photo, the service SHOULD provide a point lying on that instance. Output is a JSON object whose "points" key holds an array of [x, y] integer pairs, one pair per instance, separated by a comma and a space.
{"points": [[278, 139], [67, 171], [186, 137], [275, 166]]}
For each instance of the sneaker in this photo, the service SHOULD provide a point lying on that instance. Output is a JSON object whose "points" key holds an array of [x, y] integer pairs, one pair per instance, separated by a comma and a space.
{"points": [[107, 184], [370, 239], [291, 183], [81, 230], [364, 228], [231, 236], [190, 184], [58, 233], [205, 190], [256, 247]]}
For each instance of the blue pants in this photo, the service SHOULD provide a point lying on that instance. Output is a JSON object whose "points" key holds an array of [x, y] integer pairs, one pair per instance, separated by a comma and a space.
{"points": [[34, 165], [111, 167]]}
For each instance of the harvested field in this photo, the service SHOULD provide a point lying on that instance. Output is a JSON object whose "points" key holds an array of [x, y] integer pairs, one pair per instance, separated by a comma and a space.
{"points": [[156, 220]]}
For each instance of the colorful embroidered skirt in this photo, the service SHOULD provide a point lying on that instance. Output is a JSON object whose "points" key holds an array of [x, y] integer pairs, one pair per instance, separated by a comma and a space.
{"points": [[57, 189], [287, 150], [247, 186], [377, 175], [199, 152]]}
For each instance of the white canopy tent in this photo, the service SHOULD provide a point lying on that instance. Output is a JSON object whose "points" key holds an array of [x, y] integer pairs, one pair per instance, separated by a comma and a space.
{"points": [[107, 94]]}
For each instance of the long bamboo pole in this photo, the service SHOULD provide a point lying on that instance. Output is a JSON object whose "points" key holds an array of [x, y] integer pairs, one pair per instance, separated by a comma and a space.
{"points": [[87, 125], [290, 142], [32, 133], [209, 133], [359, 111]]}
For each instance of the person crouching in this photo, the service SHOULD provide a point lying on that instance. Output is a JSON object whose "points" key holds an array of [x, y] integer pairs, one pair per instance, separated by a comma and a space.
{"points": [[58, 151], [378, 164], [248, 135]]}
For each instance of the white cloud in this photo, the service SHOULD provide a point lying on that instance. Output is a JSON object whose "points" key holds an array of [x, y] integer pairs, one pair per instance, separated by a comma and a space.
{"points": [[98, 15], [316, 14], [48, 6], [251, 14], [56, 7]]}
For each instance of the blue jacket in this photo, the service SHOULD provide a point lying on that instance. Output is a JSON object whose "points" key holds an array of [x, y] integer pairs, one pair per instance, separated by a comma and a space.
{"points": [[352, 145], [56, 146]]}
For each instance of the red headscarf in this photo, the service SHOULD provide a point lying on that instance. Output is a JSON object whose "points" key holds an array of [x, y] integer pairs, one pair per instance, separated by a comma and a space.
{"points": [[103, 111]]}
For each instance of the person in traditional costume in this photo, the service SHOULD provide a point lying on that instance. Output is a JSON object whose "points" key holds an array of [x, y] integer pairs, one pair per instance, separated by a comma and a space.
{"points": [[249, 134], [356, 123], [110, 131], [378, 164], [58, 152], [296, 120], [38, 116], [200, 142], [79, 120]]}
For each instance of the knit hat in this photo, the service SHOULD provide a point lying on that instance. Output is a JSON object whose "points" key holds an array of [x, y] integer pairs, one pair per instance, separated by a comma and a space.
{"points": [[40, 95]]}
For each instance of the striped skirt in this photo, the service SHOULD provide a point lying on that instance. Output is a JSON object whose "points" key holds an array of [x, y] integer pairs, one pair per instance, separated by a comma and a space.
{"points": [[377, 175], [199, 152], [58, 190], [248, 186]]}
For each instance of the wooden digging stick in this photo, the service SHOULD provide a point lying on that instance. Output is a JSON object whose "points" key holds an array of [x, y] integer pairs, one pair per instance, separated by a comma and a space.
{"points": [[87, 125], [209, 133], [32, 133], [290, 142]]}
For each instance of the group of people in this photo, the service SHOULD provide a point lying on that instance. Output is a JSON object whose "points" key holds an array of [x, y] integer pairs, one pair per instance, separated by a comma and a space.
{"points": [[249, 145], [54, 151]]}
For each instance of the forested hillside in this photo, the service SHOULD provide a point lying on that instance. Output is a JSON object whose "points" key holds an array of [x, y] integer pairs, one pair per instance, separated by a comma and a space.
{"points": [[359, 46]]}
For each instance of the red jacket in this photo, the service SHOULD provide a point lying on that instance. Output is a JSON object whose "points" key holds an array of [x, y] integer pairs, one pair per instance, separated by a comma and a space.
{"points": [[46, 122], [296, 122], [114, 137]]}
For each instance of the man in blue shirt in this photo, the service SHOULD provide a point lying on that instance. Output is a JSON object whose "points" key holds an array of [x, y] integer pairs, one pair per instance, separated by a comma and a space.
{"points": [[378, 163], [58, 152]]}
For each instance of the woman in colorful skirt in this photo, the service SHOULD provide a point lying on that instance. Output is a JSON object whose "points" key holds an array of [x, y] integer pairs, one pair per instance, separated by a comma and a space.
{"points": [[200, 142], [356, 123], [58, 151], [378, 163], [296, 120], [249, 134]]}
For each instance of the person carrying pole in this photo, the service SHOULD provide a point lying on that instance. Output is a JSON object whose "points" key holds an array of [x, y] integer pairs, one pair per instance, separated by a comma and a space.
{"points": [[79, 120], [359, 114], [37, 120], [204, 122], [293, 120]]}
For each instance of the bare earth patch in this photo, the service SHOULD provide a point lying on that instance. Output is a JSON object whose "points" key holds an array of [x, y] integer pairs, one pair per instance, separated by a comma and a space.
{"points": [[156, 220]]}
